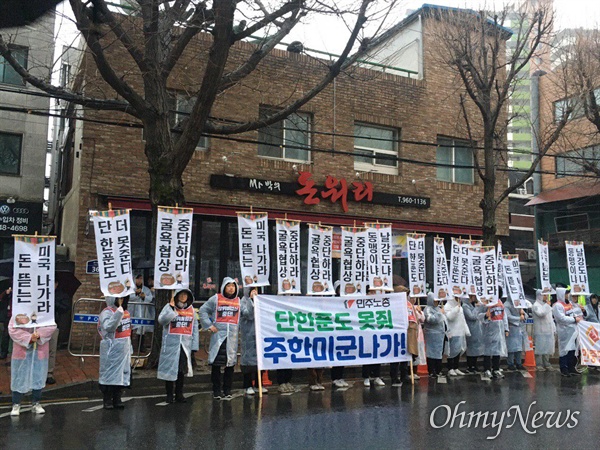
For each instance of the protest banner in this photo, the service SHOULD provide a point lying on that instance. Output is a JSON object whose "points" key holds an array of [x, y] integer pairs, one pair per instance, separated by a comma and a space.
{"points": [[304, 332], [576, 265], [353, 270], [544, 262], [485, 274], [288, 256], [589, 343], [456, 282], [500, 275], [253, 238], [172, 250], [514, 283], [471, 289], [113, 249], [319, 270], [379, 256], [33, 281], [416, 264], [441, 282]]}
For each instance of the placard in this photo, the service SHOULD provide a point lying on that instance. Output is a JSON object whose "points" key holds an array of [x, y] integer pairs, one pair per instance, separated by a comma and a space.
{"points": [[353, 270], [514, 284], [172, 251], [441, 281], [576, 265], [379, 256], [416, 264], [288, 256], [253, 238], [544, 262], [318, 272]]}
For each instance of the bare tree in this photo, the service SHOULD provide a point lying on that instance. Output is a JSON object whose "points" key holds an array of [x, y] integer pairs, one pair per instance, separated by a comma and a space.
{"points": [[473, 45]]}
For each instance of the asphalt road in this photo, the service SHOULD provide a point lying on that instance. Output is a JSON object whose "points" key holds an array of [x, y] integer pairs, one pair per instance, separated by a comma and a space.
{"points": [[358, 417]]}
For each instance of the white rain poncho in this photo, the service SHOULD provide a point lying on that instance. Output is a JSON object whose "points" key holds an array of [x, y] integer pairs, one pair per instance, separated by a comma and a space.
{"points": [[494, 329], [517, 334], [566, 325], [180, 332], [216, 312], [29, 362], [434, 329], [114, 326], [145, 311], [457, 328], [543, 326], [475, 340]]}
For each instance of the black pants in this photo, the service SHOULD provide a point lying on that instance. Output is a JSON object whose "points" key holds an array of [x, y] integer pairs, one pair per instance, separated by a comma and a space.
{"points": [[215, 377], [4, 338], [472, 362], [371, 371], [568, 362], [250, 376], [337, 373], [434, 366], [491, 362], [177, 384], [284, 376], [452, 363]]}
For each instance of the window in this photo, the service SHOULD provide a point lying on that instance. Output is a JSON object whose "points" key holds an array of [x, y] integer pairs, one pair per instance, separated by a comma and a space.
{"points": [[181, 107], [375, 149], [572, 223], [288, 139], [578, 162], [8, 75], [65, 75], [10, 153], [451, 153]]}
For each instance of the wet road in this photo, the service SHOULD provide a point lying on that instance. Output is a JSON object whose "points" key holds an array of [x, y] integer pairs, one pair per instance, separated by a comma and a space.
{"points": [[358, 417]]}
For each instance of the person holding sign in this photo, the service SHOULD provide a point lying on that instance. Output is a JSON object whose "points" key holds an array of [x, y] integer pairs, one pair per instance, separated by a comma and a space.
{"points": [[220, 315], [434, 329], [247, 330], [516, 335], [457, 335], [29, 363], [471, 309], [543, 331], [566, 328], [180, 338], [495, 331], [114, 326], [143, 294]]}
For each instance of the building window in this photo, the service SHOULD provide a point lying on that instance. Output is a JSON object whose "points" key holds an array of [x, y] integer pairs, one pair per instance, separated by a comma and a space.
{"points": [[65, 75], [8, 75], [578, 162], [288, 139], [181, 107], [10, 153], [572, 223], [451, 153], [375, 149]]}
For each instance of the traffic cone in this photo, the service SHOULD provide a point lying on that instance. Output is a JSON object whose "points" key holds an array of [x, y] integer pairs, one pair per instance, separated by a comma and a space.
{"points": [[265, 379], [422, 369], [529, 355]]}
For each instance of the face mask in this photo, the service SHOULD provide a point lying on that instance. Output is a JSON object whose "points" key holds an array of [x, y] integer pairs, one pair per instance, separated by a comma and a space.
{"points": [[181, 305]]}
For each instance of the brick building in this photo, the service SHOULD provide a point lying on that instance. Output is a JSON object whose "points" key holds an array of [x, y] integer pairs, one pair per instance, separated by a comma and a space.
{"points": [[410, 120]]}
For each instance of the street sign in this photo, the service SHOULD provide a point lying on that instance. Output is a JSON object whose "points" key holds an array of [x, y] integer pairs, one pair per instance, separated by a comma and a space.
{"points": [[92, 267]]}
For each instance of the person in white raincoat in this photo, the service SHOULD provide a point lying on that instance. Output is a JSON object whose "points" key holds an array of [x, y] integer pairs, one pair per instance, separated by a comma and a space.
{"points": [[471, 308], [495, 329], [566, 316], [180, 337], [220, 315], [543, 331], [114, 327], [434, 329], [516, 335], [29, 364], [144, 295], [457, 333]]}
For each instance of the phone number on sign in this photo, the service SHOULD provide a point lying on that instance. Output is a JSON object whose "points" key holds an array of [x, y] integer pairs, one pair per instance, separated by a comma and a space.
{"points": [[13, 228], [411, 201]]}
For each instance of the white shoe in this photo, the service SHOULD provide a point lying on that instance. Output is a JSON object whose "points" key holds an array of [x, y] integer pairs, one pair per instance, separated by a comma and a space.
{"points": [[338, 383], [487, 374], [264, 390], [314, 387], [459, 373], [367, 382], [416, 377], [451, 373], [16, 410], [249, 391], [378, 382], [345, 383], [499, 374], [289, 387], [321, 387], [37, 409]]}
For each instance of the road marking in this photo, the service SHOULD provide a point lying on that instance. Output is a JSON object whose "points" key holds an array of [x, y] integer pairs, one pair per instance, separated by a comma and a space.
{"points": [[188, 395], [442, 380], [526, 374]]}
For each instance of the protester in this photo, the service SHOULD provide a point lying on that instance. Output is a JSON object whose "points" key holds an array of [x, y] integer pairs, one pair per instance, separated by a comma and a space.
{"points": [[114, 326], [495, 330], [591, 309], [516, 335], [543, 331], [5, 313], [434, 329], [220, 315], [337, 372], [371, 373], [248, 343], [566, 318], [180, 337], [458, 331], [471, 309], [143, 294], [62, 305]]}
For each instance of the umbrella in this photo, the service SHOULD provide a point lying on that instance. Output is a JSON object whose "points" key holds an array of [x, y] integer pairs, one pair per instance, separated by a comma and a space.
{"points": [[67, 282]]}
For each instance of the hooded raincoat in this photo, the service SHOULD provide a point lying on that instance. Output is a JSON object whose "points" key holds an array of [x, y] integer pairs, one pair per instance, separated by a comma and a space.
{"points": [[543, 326], [180, 333], [457, 328], [475, 338], [566, 325], [517, 334], [146, 311], [29, 362], [114, 326], [591, 313], [223, 313], [247, 330], [494, 328], [434, 329]]}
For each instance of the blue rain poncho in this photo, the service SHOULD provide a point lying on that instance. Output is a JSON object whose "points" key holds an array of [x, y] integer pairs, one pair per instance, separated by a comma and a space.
{"points": [[434, 329], [457, 328], [247, 330], [214, 312], [566, 324], [543, 326], [114, 326], [494, 329], [475, 340], [516, 328], [180, 333]]}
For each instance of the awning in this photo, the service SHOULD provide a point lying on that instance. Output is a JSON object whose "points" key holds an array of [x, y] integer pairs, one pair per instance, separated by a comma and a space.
{"points": [[571, 191]]}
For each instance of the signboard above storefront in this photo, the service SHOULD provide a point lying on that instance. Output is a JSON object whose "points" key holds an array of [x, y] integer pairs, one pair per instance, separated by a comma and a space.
{"points": [[20, 218], [335, 190]]}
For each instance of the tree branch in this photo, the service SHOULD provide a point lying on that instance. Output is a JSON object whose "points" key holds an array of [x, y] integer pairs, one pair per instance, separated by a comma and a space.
{"points": [[292, 6]]}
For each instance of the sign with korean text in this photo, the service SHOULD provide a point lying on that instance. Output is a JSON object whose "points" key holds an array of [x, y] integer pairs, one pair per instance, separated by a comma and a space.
{"points": [[544, 261], [485, 273], [514, 284], [304, 332], [23, 218], [379, 255], [319, 270], [113, 248], [471, 289], [589, 343], [288, 256], [500, 266], [172, 251], [578, 277], [457, 284], [416, 264], [353, 269], [253, 235], [441, 281], [33, 281]]}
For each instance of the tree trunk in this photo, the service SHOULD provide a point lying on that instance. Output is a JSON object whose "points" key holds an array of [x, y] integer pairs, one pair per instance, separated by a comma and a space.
{"points": [[488, 202]]}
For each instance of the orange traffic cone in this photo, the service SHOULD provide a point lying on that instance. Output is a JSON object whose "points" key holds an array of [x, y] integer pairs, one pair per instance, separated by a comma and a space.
{"points": [[529, 355], [265, 379], [422, 369]]}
